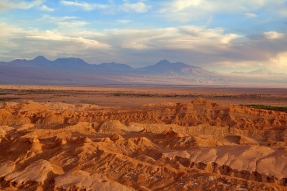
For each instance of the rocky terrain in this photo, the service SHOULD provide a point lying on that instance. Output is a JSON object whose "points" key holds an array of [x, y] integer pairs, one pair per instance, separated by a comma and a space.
{"points": [[196, 145]]}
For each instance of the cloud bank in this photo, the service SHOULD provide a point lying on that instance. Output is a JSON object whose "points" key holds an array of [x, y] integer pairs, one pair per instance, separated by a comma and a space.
{"points": [[13, 4], [214, 34], [138, 7]]}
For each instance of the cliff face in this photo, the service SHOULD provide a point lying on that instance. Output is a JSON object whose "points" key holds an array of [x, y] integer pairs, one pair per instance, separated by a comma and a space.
{"points": [[176, 146]]}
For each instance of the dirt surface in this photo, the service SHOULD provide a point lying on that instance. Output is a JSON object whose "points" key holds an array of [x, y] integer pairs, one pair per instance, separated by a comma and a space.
{"points": [[138, 95], [58, 138]]}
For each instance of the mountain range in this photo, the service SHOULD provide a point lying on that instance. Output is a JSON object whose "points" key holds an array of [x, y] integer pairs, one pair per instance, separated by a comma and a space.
{"points": [[76, 71], [261, 72]]}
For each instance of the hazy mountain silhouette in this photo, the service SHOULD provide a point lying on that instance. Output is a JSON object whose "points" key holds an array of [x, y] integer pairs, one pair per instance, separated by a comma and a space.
{"points": [[114, 67], [76, 71], [166, 67], [260, 72], [77, 64]]}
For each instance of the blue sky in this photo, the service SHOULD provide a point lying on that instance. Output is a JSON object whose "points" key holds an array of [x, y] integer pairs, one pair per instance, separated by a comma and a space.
{"points": [[218, 35]]}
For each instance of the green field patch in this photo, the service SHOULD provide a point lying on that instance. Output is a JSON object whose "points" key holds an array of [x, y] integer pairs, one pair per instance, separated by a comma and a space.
{"points": [[267, 107]]}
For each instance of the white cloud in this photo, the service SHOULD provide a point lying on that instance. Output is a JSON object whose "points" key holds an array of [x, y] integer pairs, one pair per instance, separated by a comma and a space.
{"points": [[188, 38], [205, 47], [72, 24], [219, 5], [51, 19], [139, 7], [13, 4], [179, 5], [84, 5], [62, 22], [279, 62], [57, 36], [182, 38], [273, 35], [45, 8], [23, 43], [9, 30], [123, 21], [250, 15], [184, 10], [227, 39]]}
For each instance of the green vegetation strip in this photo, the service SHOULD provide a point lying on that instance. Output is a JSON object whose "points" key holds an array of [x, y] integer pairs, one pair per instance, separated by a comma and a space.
{"points": [[153, 95], [266, 107]]}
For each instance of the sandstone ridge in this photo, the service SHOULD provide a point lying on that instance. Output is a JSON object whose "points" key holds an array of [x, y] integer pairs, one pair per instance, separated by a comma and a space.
{"points": [[196, 145]]}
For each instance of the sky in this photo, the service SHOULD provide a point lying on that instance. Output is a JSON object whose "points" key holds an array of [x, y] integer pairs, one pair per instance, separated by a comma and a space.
{"points": [[219, 35]]}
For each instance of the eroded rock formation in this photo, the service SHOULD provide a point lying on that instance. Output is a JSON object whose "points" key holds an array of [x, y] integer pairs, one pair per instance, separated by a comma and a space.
{"points": [[197, 145]]}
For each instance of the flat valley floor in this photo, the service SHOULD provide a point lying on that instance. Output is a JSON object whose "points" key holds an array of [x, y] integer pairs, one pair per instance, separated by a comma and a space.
{"points": [[138, 95]]}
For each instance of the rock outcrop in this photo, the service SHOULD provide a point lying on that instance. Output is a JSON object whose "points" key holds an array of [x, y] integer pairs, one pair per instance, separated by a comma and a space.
{"points": [[196, 145]]}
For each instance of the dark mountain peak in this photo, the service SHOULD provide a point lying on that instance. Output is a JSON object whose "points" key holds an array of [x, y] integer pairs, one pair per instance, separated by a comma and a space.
{"points": [[18, 61], [162, 62], [181, 64], [166, 67], [70, 61], [110, 64], [166, 63], [40, 58], [114, 66]]}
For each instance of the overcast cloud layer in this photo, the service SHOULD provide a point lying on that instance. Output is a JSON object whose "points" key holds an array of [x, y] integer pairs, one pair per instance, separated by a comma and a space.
{"points": [[213, 34]]}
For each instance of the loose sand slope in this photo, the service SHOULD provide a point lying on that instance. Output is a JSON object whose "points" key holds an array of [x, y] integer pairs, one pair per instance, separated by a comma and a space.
{"points": [[197, 145]]}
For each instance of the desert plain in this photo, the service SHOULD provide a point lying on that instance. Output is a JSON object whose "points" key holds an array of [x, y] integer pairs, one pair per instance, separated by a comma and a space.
{"points": [[142, 138]]}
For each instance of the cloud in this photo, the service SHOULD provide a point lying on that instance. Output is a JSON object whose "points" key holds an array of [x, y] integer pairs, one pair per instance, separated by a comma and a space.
{"points": [[13, 4], [72, 24], [32, 42], [182, 38], [45, 8], [123, 21], [139, 7], [179, 5], [51, 19], [280, 60], [57, 36], [62, 22], [183, 10], [84, 5], [273, 35], [250, 15], [204, 47], [228, 38], [9, 30], [201, 46]]}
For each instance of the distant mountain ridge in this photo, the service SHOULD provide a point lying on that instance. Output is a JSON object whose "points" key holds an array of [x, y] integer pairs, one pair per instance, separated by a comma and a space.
{"points": [[115, 66], [260, 72], [66, 64], [76, 71], [41, 61], [166, 67], [162, 67]]}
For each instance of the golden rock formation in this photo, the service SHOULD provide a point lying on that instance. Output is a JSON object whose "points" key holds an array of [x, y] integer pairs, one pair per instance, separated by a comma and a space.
{"points": [[197, 145]]}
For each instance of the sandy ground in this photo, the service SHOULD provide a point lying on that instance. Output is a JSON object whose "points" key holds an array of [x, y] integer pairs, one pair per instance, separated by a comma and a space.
{"points": [[141, 138], [138, 95]]}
